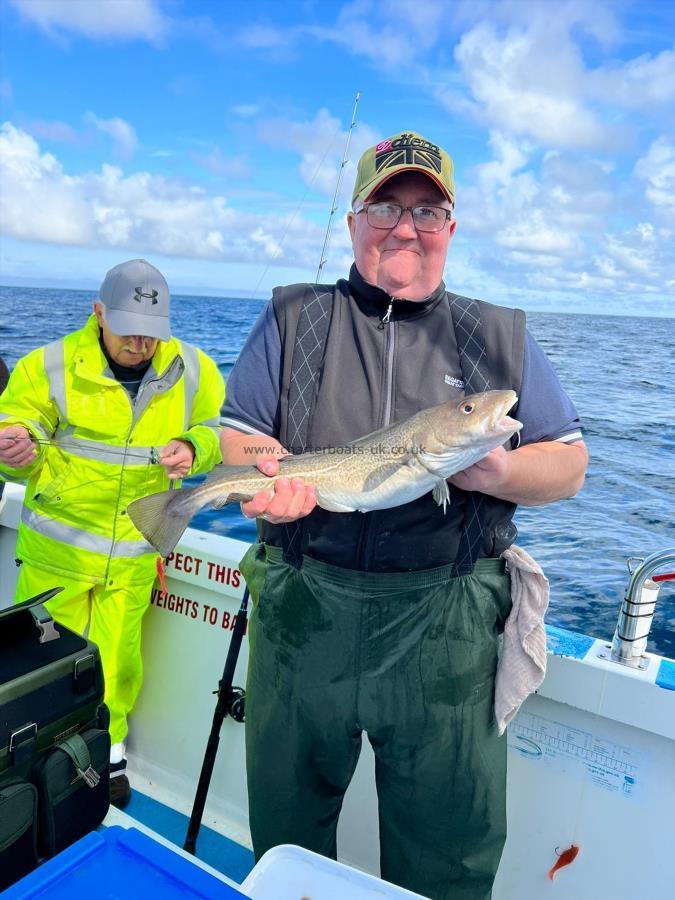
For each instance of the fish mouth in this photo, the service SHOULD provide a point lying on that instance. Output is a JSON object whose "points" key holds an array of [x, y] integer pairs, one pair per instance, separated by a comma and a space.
{"points": [[506, 423], [501, 422]]}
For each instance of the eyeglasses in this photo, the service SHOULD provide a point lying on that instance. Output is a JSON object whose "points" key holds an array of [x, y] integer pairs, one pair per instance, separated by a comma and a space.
{"points": [[388, 215]]}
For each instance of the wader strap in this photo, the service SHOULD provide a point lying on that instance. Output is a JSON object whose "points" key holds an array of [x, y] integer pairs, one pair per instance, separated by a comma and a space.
{"points": [[474, 365], [308, 354]]}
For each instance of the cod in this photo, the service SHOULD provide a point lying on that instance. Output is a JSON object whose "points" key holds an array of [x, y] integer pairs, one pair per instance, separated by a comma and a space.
{"points": [[387, 468]]}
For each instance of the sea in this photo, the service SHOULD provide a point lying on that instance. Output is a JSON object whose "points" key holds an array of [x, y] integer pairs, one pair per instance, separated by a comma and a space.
{"points": [[619, 371]]}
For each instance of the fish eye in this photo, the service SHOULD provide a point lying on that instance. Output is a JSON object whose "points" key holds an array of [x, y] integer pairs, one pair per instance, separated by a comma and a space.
{"points": [[467, 408]]}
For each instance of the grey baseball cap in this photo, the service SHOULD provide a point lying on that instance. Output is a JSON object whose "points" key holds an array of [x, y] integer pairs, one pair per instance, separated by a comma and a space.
{"points": [[136, 298]]}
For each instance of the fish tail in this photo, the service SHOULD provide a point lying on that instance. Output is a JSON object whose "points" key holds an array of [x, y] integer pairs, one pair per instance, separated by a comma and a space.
{"points": [[162, 518]]}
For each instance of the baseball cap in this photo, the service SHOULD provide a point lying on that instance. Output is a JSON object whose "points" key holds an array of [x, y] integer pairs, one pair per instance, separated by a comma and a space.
{"points": [[136, 298], [404, 152]]}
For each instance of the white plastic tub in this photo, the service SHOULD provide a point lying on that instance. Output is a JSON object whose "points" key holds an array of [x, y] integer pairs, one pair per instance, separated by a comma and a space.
{"points": [[291, 873]]}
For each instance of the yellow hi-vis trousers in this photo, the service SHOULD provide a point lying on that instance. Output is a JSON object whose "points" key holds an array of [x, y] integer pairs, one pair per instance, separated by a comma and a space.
{"points": [[114, 617]]}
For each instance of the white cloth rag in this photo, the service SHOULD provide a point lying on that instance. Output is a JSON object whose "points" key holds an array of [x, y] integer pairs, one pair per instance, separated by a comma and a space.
{"points": [[522, 664]]}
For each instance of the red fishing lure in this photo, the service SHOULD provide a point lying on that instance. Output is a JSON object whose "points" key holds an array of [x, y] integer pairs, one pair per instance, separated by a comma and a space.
{"points": [[564, 859]]}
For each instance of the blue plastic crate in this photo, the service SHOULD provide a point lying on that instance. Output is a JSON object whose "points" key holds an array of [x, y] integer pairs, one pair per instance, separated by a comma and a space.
{"points": [[120, 864]]}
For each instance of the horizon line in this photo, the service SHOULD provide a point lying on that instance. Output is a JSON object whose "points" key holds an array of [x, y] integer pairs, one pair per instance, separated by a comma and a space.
{"points": [[232, 294]]}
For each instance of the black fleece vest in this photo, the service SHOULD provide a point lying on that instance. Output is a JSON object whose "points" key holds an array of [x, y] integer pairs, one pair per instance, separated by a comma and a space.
{"points": [[374, 374]]}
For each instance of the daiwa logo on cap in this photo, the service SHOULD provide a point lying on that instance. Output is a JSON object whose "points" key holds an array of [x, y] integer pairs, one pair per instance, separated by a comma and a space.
{"points": [[408, 150], [383, 145]]}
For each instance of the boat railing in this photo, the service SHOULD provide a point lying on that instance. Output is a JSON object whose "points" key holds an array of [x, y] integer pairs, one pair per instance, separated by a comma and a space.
{"points": [[638, 606]]}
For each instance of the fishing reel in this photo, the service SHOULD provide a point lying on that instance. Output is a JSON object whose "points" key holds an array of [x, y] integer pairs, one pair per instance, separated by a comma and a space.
{"points": [[235, 703], [236, 706]]}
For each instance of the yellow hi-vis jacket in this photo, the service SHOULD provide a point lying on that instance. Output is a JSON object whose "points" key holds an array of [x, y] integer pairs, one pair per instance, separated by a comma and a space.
{"points": [[102, 450]]}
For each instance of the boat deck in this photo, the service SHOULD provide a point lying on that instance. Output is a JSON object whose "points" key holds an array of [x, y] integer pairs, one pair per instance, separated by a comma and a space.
{"points": [[591, 755]]}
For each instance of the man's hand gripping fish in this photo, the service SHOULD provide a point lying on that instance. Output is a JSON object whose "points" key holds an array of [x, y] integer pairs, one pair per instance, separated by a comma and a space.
{"points": [[384, 469]]}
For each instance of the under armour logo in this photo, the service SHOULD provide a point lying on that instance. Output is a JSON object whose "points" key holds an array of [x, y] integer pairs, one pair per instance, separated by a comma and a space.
{"points": [[149, 295]]}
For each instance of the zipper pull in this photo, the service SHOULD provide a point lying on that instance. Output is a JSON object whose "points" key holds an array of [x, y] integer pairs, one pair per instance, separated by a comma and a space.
{"points": [[387, 316]]}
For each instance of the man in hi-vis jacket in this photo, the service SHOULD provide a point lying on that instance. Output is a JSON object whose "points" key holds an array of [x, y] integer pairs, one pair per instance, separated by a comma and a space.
{"points": [[93, 421]]}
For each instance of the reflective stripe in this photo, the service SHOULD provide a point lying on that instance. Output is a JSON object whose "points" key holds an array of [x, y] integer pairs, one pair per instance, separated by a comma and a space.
{"points": [[191, 377], [83, 540], [143, 397], [154, 384], [212, 423], [56, 375], [32, 422], [106, 453], [241, 426]]}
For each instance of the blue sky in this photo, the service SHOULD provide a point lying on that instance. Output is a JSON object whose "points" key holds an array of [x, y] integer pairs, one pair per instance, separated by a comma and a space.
{"points": [[207, 137]]}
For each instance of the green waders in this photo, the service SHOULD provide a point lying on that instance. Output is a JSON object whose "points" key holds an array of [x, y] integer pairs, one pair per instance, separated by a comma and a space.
{"points": [[408, 658]]}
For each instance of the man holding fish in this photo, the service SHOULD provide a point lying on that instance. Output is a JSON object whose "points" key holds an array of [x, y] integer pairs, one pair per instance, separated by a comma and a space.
{"points": [[379, 592], [387, 621]]}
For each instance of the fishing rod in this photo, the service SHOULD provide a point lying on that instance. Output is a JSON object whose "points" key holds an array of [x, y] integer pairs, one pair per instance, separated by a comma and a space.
{"points": [[278, 249], [152, 457], [231, 701], [336, 195]]}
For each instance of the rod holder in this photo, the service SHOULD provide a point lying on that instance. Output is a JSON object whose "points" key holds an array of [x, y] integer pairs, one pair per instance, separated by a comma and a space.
{"points": [[637, 610]]}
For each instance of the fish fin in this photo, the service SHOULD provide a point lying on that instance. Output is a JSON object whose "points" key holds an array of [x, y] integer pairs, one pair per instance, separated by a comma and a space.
{"points": [[333, 506], [441, 493], [233, 497], [446, 464], [158, 525], [378, 476]]}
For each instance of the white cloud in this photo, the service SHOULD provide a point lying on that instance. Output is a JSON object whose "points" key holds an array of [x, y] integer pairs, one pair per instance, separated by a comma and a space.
{"points": [[555, 224], [647, 81], [122, 133], [518, 90], [657, 168], [511, 157], [53, 131], [521, 67], [536, 234], [223, 166], [527, 73], [318, 142], [392, 34], [139, 212], [266, 37], [321, 143], [245, 110], [55, 214], [641, 257], [101, 19], [547, 204]]}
